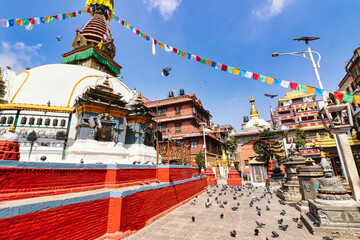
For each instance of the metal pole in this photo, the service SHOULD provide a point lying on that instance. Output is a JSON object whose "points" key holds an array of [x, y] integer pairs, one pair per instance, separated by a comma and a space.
{"points": [[315, 69], [157, 134], [204, 143], [67, 136]]}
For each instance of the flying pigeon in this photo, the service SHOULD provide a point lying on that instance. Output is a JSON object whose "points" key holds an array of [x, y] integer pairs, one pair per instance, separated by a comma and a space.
{"points": [[58, 37], [165, 72], [270, 95]]}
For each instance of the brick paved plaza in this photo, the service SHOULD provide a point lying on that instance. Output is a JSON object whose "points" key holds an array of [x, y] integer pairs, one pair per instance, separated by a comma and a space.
{"points": [[178, 225]]}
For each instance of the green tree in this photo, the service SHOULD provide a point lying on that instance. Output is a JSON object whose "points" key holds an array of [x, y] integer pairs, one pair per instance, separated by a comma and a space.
{"points": [[299, 138], [200, 161], [231, 146], [269, 146]]}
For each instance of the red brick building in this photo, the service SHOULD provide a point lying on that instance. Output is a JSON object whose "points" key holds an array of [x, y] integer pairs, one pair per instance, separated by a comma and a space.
{"points": [[179, 119]]}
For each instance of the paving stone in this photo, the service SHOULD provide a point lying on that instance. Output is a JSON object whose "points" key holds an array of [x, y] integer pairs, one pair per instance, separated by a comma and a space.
{"points": [[178, 225]]}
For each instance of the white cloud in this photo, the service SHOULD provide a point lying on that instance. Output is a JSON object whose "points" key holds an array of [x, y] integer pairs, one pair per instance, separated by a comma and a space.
{"points": [[271, 8], [18, 56], [166, 7]]}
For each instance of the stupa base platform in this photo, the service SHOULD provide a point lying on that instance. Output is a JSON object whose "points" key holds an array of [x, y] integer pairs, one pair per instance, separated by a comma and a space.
{"points": [[89, 213], [333, 217]]}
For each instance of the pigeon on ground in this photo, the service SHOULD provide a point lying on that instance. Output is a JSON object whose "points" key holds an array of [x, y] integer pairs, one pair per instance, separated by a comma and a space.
{"points": [[222, 216], [283, 212], [300, 225], [256, 232], [193, 218], [158, 181], [280, 221], [295, 219], [233, 233], [283, 227], [267, 208], [221, 205], [238, 203], [328, 237], [148, 183], [259, 213], [317, 224], [274, 234], [141, 184], [193, 202], [260, 225], [234, 197], [208, 200], [225, 202], [234, 208], [268, 201]]}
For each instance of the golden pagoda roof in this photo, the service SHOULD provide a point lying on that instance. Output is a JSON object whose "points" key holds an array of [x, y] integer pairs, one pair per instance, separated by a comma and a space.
{"points": [[327, 141], [254, 113], [295, 94]]}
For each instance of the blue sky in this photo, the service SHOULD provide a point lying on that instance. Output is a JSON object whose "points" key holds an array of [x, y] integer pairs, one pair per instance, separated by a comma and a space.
{"points": [[241, 34]]}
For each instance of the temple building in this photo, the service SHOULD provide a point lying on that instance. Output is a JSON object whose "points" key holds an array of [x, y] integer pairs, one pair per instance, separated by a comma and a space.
{"points": [[299, 110], [248, 142], [179, 119], [79, 111]]}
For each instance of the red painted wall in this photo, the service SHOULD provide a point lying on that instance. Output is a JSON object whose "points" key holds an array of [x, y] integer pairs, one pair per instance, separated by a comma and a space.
{"points": [[19, 183], [151, 203], [78, 221], [177, 174]]}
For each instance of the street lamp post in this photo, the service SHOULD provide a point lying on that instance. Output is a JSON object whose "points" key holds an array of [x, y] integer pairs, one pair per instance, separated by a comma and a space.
{"points": [[204, 146], [315, 65]]}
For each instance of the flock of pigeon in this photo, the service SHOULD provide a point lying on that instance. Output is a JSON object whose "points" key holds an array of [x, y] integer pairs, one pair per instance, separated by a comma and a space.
{"points": [[215, 193]]}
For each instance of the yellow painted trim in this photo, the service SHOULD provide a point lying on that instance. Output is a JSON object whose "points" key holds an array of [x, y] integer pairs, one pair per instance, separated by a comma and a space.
{"points": [[28, 74], [72, 92], [97, 109], [33, 107]]}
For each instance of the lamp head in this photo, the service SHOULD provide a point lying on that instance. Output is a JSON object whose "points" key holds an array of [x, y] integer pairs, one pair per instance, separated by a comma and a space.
{"points": [[275, 54]]}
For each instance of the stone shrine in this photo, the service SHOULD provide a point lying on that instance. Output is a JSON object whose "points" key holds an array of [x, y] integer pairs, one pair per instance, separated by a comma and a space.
{"points": [[290, 189]]}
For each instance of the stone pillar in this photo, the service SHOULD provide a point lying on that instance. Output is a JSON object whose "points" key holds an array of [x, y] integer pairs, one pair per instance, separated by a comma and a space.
{"points": [[349, 162], [309, 183]]}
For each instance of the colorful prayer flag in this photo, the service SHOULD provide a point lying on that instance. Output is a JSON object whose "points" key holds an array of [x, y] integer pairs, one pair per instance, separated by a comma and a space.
{"points": [[213, 64], [208, 62], [348, 97], [356, 99], [198, 58], [269, 80], [183, 54], [19, 22], [236, 71], [255, 76], [339, 96], [248, 74], [284, 84], [230, 69], [174, 50], [277, 82], [242, 73], [310, 89], [203, 60], [262, 78], [47, 19], [319, 92], [293, 86], [302, 87]]}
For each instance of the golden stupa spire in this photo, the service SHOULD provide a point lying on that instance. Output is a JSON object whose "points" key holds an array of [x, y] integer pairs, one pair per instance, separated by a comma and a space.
{"points": [[254, 114], [224, 158], [106, 3]]}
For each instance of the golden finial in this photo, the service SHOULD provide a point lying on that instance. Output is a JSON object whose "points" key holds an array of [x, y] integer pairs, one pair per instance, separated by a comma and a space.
{"points": [[12, 129], [254, 113], [354, 134], [318, 137], [224, 158]]}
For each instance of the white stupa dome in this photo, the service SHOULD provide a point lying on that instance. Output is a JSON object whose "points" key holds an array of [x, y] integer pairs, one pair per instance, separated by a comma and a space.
{"points": [[256, 124], [60, 84]]}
